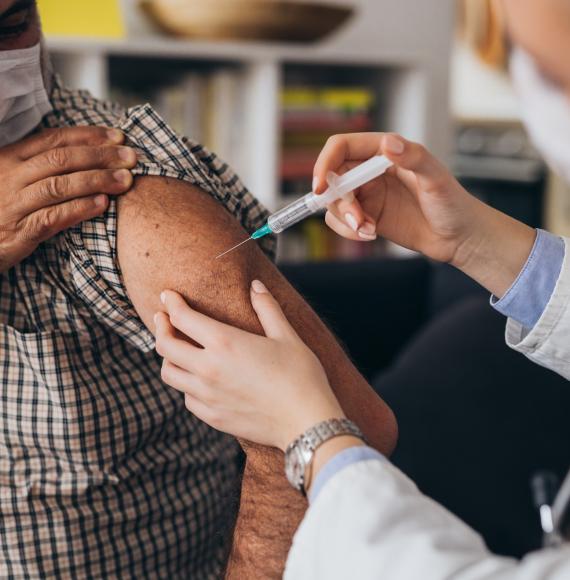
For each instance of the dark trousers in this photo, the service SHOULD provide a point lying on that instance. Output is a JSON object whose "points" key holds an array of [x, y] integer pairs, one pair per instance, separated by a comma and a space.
{"points": [[476, 418]]}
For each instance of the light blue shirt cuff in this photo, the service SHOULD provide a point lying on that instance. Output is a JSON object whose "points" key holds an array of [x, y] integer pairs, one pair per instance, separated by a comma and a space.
{"points": [[527, 298], [339, 462]]}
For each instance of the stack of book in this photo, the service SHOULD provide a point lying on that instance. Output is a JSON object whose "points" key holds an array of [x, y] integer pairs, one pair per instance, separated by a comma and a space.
{"points": [[204, 106], [310, 116], [313, 241]]}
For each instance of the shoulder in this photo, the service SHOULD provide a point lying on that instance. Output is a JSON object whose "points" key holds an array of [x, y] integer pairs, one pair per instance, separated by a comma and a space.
{"points": [[169, 236], [162, 152]]}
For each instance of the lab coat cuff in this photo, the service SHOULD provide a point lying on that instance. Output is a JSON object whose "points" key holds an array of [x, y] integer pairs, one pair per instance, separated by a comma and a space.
{"points": [[534, 342], [527, 298], [339, 462]]}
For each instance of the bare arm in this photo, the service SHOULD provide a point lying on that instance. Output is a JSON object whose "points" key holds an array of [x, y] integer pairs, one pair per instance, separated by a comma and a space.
{"points": [[169, 235]]}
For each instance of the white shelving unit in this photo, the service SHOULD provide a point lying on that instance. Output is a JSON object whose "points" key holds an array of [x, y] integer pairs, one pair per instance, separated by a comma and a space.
{"points": [[408, 43]]}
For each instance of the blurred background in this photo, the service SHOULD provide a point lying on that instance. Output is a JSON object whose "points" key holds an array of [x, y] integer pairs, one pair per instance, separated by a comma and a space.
{"points": [[263, 83]]}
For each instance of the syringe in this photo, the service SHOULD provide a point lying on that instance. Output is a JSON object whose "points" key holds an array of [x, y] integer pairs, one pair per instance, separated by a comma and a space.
{"points": [[310, 204]]}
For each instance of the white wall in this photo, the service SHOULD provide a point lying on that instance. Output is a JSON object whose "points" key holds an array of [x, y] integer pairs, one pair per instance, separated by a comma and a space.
{"points": [[479, 91]]}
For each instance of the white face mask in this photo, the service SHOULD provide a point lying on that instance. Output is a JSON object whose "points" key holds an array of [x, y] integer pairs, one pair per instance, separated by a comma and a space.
{"points": [[546, 112], [23, 98]]}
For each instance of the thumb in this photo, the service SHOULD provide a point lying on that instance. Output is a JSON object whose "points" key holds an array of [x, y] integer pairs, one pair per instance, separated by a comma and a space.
{"points": [[415, 157], [274, 322]]}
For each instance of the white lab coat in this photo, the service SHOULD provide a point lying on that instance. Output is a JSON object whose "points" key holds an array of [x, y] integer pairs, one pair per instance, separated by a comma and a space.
{"points": [[371, 522]]}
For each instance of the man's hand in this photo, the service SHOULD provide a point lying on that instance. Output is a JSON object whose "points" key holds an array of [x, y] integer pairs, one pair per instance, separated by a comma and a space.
{"points": [[54, 180]]}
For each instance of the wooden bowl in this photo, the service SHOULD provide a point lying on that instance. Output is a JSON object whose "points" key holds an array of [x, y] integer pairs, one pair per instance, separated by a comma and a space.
{"points": [[275, 20]]}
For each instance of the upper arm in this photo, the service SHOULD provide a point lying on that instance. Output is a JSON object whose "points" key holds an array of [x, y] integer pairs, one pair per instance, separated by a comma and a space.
{"points": [[169, 234]]}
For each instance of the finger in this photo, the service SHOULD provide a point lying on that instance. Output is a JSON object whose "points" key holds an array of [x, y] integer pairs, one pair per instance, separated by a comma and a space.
{"points": [[351, 211], [271, 317], [169, 346], [198, 408], [415, 157], [340, 149], [47, 223], [61, 188], [366, 229], [342, 229], [72, 159], [183, 381], [66, 137], [199, 327]]}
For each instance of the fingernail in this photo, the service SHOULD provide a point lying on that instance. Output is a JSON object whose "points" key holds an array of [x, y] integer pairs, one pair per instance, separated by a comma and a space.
{"points": [[367, 237], [259, 287], [163, 297], [351, 221], [156, 319], [368, 229], [115, 136], [122, 176], [316, 182], [394, 145], [126, 154], [101, 200]]}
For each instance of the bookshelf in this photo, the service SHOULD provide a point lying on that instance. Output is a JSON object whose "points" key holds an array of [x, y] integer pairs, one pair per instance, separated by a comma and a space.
{"points": [[399, 52]]}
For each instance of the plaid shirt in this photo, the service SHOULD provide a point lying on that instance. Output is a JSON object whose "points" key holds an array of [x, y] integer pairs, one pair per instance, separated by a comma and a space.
{"points": [[102, 472]]}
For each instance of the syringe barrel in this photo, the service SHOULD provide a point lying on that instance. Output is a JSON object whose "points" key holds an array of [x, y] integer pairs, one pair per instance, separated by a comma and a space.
{"points": [[339, 186], [292, 214]]}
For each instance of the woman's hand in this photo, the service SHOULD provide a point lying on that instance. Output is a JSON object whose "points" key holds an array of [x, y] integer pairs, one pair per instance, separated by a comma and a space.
{"points": [[54, 180], [265, 389], [418, 204]]}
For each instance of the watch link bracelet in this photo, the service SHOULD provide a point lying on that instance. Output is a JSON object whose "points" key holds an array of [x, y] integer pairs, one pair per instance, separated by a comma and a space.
{"points": [[299, 455]]}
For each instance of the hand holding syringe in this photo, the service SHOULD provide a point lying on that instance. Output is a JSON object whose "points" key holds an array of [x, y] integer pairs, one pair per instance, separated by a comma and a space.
{"points": [[310, 204]]}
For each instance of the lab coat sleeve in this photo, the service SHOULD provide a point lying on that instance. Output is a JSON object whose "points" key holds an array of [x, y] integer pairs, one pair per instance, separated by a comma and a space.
{"points": [[548, 342], [371, 522]]}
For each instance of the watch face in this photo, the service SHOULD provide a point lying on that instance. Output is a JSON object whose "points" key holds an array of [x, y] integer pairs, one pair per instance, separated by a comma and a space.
{"points": [[294, 467]]}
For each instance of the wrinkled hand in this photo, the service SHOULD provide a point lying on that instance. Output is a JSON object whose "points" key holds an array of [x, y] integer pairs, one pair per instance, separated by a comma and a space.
{"points": [[266, 389], [55, 180]]}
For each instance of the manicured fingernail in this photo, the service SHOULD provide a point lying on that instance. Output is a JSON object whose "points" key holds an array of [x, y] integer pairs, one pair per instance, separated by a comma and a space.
{"points": [[115, 136], [122, 176], [316, 182], [163, 297], [367, 237], [259, 287], [368, 229], [127, 154], [100, 200], [351, 221], [394, 145]]}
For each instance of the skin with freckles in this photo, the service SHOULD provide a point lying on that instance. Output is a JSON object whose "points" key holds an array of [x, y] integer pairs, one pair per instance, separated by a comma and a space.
{"points": [[180, 255]]}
